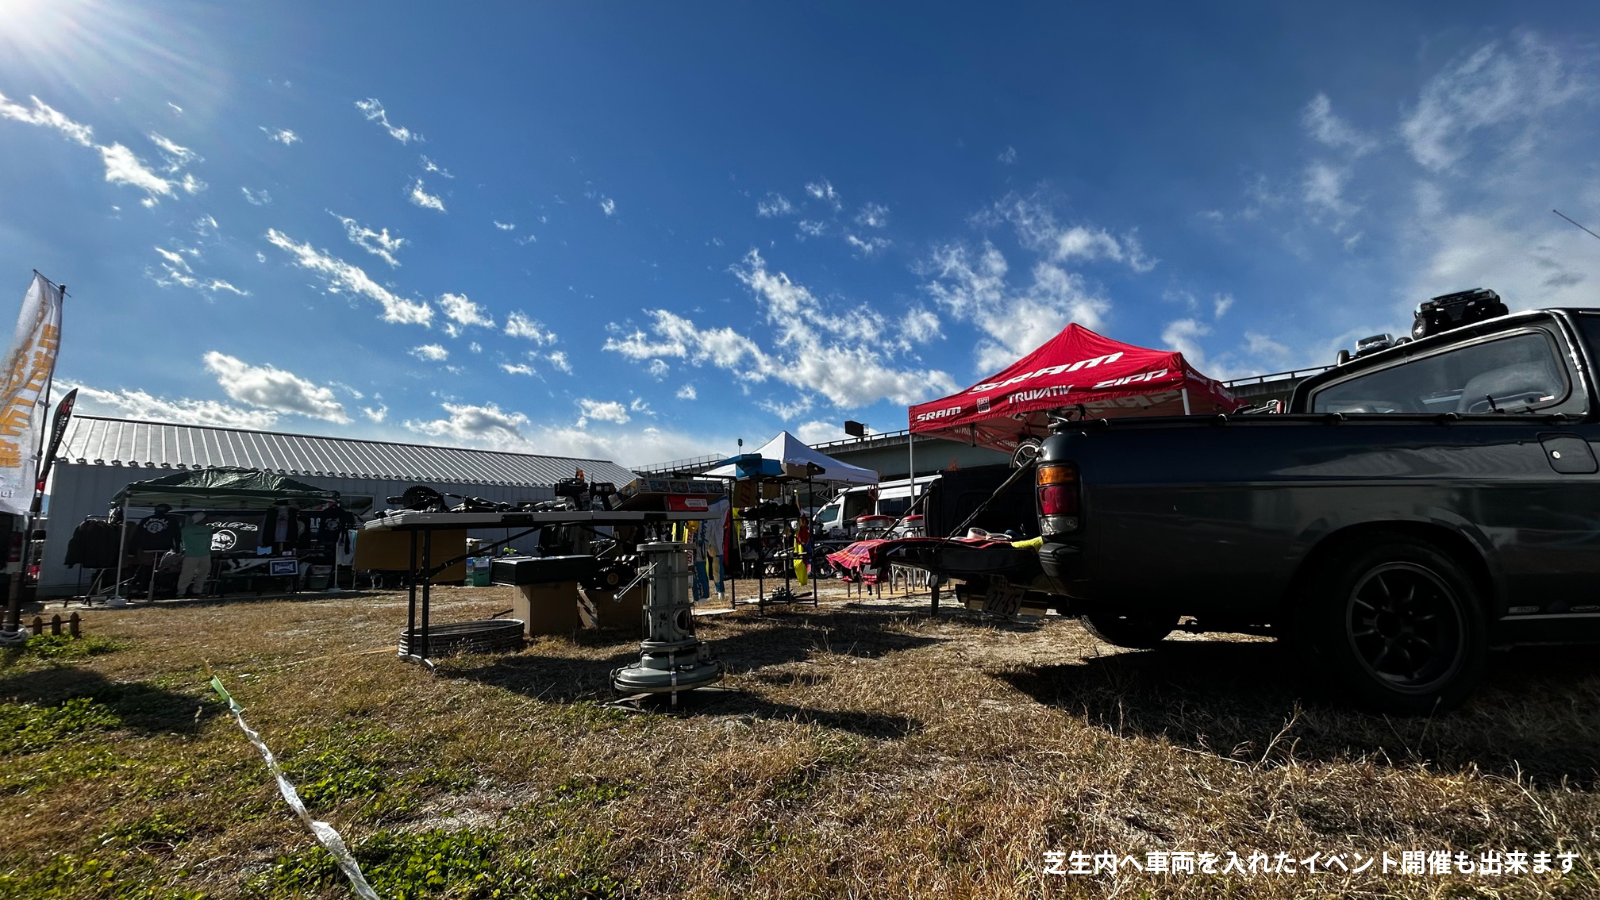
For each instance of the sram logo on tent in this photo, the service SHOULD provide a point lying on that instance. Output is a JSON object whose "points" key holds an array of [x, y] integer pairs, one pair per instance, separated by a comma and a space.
{"points": [[1049, 370], [1142, 376], [939, 414]]}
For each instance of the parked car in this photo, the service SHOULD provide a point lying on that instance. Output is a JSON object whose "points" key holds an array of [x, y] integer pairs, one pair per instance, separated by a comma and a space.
{"points": [[1413, 507]]}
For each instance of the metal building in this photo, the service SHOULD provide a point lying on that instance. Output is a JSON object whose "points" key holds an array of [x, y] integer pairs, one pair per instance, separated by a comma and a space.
{"points": [[100, 456]]}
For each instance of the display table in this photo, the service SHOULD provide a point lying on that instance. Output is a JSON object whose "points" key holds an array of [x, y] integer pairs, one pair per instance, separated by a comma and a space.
{"points": [[423, 570]]}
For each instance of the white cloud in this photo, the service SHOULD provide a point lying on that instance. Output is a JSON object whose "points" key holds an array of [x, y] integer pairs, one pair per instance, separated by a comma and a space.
{"points": [[871, 246], [1036, 228], [819, 431], [374, 112], [474, 424], [430, 352], [1183, 335], [558, 361], [136, 404], [1324, 190], [205, 226], [517, 368], [658, 369], [375, 413], [378, 243], [811, 228], [972, 284], [1487, 89], [527, 239], [518, 324], [256, 198], [177, 156], [1220, 305], [41, 114], [920, 325], [1008, 156], [505, 226], [177, 271], [639, 405], [873, 215], [271, 388], [822, 189], [123, 167], [282, 135], [429, 165], [461, 310], [176, 109], [342, 276], [687, 392], [191, 184], [608, 205], [774, 204], [1329, 129], [841, 356], [420, 196], [602, 410]]}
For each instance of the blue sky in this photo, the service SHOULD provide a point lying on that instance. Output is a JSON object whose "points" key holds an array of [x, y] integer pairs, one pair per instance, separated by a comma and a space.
{"points": [[643, 231]]}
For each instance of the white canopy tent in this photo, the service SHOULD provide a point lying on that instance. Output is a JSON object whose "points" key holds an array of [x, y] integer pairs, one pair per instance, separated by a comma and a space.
{"points": [[790, 451]]}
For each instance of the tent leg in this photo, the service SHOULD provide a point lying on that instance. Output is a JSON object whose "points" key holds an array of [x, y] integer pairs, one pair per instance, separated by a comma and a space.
{"points": [[427, 587], [116, 599], [411, 601], [1186, 401]]}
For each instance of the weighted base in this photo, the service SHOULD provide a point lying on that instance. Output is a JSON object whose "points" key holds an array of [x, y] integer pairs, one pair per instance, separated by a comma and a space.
{"points": [[665, 673]]}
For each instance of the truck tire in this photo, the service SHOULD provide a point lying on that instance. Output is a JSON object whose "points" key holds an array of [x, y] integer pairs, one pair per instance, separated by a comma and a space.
{"points": [[1396, 624], [1139, 631]]}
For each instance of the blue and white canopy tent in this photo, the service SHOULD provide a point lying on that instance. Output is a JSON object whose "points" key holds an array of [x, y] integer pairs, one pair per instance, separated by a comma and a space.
{"points": [[786, 450]]}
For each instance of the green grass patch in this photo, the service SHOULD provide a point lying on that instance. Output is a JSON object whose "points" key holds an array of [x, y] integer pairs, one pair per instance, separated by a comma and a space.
{"points": [[461, 865], [586, 791], [66, 647], [31, 728], [112, 876]]}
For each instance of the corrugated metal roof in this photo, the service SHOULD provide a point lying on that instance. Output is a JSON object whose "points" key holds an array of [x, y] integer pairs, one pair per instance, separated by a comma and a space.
{"points": [[158, 445]]}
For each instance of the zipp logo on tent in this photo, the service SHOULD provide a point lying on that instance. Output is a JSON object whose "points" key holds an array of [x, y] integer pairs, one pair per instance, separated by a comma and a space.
{"points": [[1142, 376], [1049, 370]]}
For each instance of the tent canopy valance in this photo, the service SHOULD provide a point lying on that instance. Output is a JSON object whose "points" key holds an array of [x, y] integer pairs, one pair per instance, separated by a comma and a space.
{"points": [[223, 488], [1076, 368], [789, 450]]}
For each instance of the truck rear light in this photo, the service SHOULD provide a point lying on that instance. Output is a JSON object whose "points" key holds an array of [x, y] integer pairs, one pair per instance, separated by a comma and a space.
{"points": [[1058, 498]]}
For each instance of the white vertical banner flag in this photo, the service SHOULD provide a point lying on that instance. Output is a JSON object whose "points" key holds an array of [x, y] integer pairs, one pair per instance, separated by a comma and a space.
{"points": [[27, 368]]}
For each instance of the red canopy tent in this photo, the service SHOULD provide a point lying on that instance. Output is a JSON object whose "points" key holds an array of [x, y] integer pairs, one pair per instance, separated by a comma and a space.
{"points": [[1076, 368]]}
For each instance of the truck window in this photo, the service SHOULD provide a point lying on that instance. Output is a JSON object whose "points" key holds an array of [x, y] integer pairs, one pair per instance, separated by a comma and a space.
{"points": [[1518, 373], [893, 506]]}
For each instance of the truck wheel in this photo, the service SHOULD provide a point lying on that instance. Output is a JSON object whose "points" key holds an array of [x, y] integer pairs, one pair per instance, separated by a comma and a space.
{"points": [[1140, 631], [1397, 624]]}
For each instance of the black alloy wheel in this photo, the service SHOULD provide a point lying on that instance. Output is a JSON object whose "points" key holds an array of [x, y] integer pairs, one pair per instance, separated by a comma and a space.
{"points": [[1395, 623], [1405, 624]]}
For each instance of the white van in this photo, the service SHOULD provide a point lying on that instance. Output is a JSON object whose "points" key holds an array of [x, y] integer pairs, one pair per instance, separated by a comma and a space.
{"points": [[838, 517]]}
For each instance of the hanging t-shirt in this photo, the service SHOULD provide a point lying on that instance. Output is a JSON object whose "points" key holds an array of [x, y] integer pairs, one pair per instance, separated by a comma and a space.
{"points": [[158, 533]]}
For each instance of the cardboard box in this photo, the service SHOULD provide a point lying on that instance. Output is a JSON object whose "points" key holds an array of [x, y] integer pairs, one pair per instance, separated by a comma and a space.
{"points": [[744, 493], [549, 608], [391, 551], [603, 609]]}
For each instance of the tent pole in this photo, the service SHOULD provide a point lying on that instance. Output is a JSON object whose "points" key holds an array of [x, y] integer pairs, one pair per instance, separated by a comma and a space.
{"points": [[1186, 401], [911, 461], [116, 598]]}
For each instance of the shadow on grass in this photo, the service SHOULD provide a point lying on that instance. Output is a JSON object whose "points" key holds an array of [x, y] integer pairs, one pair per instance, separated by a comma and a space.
{"points": [[1538, 711], [140, 707], [758, 644]]}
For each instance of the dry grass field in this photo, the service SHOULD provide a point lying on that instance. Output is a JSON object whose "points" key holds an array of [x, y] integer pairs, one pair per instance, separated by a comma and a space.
{"points": [[862, 751]]}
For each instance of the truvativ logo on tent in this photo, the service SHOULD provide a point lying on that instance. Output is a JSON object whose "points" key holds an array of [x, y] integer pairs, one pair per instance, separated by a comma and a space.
{"points": [[1049, 370]]}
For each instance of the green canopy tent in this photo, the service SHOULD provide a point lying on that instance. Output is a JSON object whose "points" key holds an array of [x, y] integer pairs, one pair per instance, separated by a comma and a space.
{"points": [[222, 487]]}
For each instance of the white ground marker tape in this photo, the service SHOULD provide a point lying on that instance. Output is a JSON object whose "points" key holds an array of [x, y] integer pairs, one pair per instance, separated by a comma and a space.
{"points": [[324, 832]]}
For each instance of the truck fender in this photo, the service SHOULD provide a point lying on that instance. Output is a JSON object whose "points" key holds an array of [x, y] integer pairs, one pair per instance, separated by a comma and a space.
{"points": [[1457, 535]]}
